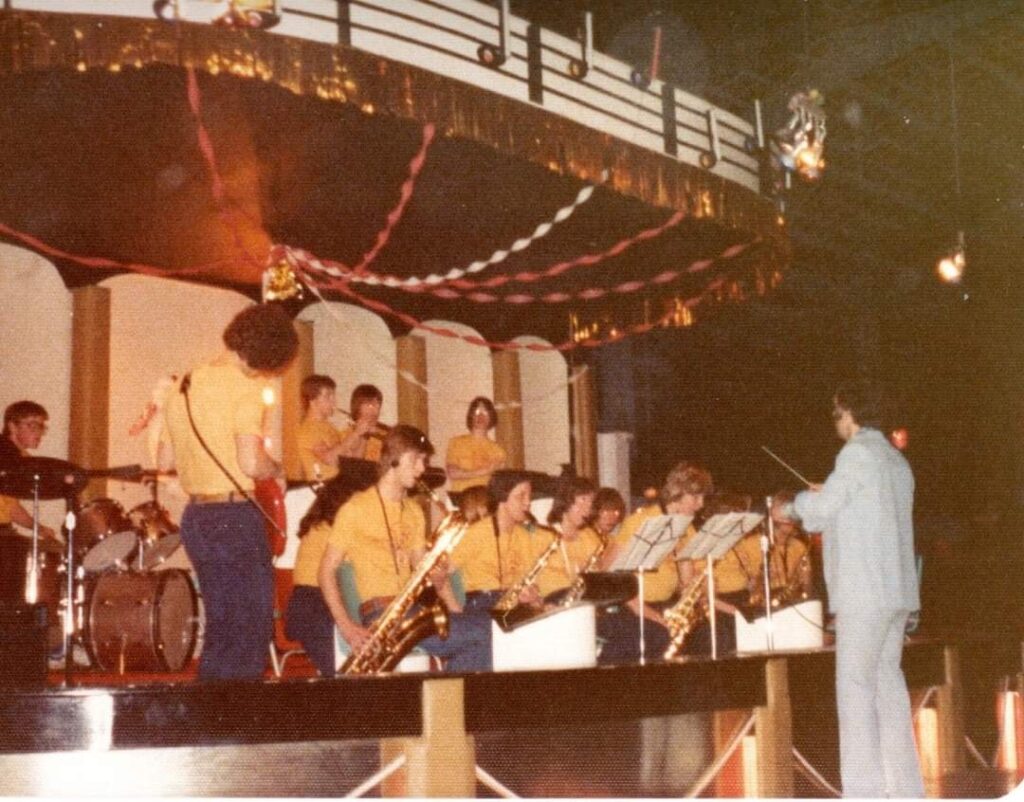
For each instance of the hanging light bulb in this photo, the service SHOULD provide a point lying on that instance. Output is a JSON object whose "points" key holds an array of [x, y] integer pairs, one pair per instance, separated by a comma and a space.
{"points": [[951, 267]]}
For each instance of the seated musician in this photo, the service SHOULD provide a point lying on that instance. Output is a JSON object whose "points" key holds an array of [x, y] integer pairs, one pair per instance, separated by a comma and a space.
{"points": [[472, 458], [570, 512], [24, 427], [319, 443], [497, 551], [609, 511], [789, 561], [382, 533], [736, 574], [682, 494], [364, 438], [307, 619]]}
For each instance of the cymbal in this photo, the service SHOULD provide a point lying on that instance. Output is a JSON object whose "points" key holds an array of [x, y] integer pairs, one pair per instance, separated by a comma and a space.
{"points": [[54, 478]]}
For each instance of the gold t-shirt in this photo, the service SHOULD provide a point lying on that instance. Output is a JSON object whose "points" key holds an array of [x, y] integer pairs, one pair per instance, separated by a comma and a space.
{"points": [[738, 568], [568, 560], [314, 434], [661, 584], [477, 556], [372, 447], [311, 551], [361, 532], [225, 403], [785, 567], [471, 453], [7, 505]]}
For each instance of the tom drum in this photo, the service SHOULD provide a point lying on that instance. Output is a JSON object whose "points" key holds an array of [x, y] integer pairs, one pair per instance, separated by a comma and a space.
{"points": [[158, 534], [104, 535]]}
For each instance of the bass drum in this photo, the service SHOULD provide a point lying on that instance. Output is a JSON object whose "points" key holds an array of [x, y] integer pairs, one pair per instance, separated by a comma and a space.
{"points": [[141, 622], [105, 536]]}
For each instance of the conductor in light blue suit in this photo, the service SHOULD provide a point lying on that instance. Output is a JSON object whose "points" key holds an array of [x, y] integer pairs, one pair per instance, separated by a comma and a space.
{"points": [[865, 512]]}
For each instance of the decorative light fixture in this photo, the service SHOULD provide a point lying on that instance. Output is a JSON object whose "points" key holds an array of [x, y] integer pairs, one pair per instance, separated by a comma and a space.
{"points": [[951, 266], [280, 282], [800, 144], [223, 13]]}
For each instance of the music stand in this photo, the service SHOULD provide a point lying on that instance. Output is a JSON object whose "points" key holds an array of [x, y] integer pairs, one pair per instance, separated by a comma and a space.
{"points": [[713, 541], [647, 549]]}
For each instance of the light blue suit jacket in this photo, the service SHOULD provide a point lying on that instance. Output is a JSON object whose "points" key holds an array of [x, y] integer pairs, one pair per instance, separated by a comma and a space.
{"points": [[865, 514]]}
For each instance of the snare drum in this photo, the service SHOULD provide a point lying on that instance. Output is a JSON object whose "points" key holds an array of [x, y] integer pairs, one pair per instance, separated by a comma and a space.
{"points": [[105, 536], [159, 536], [141, 622]]}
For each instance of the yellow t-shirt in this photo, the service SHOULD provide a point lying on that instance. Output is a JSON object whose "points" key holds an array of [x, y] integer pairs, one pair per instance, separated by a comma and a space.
{"points": [[7, 505], [740, 566], [659, 585], [313, 434], [371, 448], [567, 562], [311, 551], [361, 532], [471, 453], [477, 556], [225, 403], [784, 567]]}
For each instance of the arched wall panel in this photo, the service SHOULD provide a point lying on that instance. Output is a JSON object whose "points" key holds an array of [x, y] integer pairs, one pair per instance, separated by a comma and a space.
{"points": [[545, 394]]}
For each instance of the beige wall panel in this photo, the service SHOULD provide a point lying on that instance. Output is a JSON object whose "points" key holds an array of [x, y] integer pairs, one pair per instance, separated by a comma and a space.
{"points": [[545, 395], [457, 373], [35, 350], [158, 327], [353, 346]]}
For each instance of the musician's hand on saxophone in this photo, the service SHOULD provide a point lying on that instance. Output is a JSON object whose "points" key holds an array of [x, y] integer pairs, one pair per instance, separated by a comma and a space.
{"points": [[530, 595], [353, 634]]}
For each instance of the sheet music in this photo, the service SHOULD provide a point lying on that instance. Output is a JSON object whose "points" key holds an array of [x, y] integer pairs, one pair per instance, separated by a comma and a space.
{"points": [[720, 533], [651, 543]]}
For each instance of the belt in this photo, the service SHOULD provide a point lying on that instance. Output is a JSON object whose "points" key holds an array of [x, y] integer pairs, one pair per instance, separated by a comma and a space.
{"points": [[378, 604], [234, 497]]}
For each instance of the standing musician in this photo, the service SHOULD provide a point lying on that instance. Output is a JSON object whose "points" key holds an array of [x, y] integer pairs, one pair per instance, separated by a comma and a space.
{"points": [[363, 439], [223, 532], [383, 534], [497, 551], [319, 442], [24, 427], [571, 510], [682, 494], [473, 457]]}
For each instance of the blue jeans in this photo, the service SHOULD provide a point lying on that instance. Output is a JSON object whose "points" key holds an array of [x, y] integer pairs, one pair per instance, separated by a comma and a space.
{"points": [[620, 631], [227, 545], [467, 647], [310, 623]]}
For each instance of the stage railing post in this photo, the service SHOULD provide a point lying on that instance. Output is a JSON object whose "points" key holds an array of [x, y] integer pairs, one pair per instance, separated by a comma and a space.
{"points": [[774, 729], [949, 704], [441, 762]]}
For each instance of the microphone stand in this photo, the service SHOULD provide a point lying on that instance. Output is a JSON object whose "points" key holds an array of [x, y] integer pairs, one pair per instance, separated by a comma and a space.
{"points": [[767, 543]]}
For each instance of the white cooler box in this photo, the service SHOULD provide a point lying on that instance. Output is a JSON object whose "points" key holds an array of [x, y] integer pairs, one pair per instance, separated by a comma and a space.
{"points": [[796, 627], [565, 639]]}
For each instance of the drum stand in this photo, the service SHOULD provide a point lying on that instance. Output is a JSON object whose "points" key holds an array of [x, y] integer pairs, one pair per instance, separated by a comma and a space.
{"points": [[767, 541], [70, 522]]}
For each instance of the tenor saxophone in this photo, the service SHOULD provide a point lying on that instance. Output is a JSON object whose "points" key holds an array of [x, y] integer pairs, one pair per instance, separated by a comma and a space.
{"points": [[684, 615], [394, 634], [579, 584]]}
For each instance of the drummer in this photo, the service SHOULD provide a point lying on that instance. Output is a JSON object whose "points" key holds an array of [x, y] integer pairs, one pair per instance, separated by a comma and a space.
{"points": [[25, 423]]}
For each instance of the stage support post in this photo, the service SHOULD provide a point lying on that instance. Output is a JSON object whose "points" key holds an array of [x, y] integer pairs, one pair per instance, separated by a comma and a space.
{"points": [[584, 422], [291, 399], [508, 398], [89, 425], [774, 728], [950, 711], [411, 352], [442, 762]]}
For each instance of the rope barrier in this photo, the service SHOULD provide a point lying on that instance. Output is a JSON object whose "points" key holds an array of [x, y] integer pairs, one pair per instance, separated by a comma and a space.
{"points": [[488, 781], [378, 778], [812, 773], [716, 766]]}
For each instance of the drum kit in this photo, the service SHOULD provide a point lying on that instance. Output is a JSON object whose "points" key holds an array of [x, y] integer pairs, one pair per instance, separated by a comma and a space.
{"points": [[128, 610]]}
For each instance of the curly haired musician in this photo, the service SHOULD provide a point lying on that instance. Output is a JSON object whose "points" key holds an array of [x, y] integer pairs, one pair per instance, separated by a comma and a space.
{"points": [[224, 534], [865, 513], [382, 533]]}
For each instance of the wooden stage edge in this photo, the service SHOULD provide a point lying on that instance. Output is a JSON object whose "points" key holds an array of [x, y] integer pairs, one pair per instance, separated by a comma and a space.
{"points": [[139, 732]]}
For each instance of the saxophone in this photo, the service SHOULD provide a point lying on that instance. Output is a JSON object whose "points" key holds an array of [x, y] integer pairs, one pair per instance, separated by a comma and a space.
{"points": [[508, 611], [575, 592], [684, 615], [393, 634], [792, 591]]}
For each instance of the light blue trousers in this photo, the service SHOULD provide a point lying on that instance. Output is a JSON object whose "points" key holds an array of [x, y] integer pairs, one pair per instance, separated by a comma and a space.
{"points": [[877, 755]]}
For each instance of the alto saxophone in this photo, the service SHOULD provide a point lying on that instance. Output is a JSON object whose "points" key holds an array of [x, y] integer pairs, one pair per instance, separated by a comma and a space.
{"points": [[575, 592], [684, 615], [507, 611], [793, 590], [393, 635]]}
